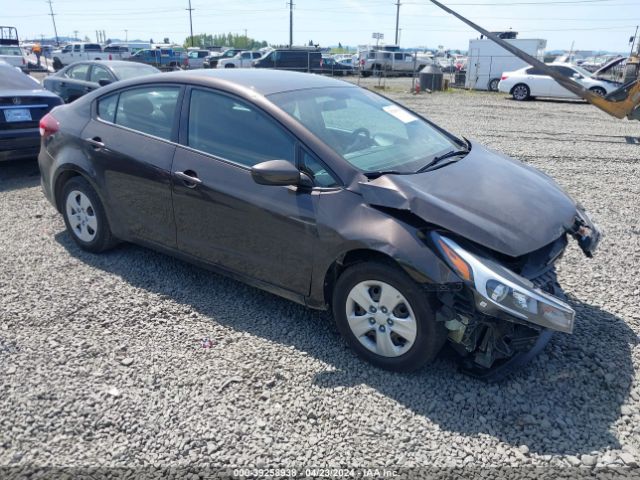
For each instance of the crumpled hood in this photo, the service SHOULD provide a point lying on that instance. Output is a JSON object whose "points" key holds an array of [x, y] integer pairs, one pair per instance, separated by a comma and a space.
{"points": [[486, 197]]}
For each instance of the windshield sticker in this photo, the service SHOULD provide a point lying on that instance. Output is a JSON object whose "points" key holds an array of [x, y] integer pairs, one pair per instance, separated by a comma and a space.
{"points": [[400, 113]]}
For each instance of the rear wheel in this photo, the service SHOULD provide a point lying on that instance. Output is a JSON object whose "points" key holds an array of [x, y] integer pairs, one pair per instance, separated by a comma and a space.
{"points": [[386, 317], [521, 92], [493, 84], [229, 65], [84, 216], [57, 64]]}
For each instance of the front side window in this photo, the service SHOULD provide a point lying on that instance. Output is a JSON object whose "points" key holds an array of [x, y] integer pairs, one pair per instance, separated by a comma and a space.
{"points": [[367, 130], [317, 171], [76, 48], [149, 110], [99, 73], [233, 130]]}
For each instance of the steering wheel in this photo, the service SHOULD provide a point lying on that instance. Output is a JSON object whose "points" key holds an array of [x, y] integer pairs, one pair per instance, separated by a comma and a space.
{"points": [[361, 138]]}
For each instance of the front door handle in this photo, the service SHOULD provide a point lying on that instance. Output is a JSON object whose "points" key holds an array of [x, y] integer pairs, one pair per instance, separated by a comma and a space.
{"points": [[95, 142], [189, 177]]}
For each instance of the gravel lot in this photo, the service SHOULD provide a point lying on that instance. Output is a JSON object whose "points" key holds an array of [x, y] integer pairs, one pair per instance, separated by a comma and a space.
{"points": [[103, 364]]}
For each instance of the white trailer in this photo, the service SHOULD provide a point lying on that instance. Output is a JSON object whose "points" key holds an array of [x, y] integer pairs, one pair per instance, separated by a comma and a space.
{"points": [[487, 60]]}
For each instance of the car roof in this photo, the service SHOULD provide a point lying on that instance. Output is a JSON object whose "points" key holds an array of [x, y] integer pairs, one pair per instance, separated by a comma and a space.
{"points": [[263, 81]]}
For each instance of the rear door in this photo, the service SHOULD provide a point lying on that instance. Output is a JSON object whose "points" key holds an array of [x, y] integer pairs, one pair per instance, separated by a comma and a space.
{"points": [[222, 216], [130, 141]]}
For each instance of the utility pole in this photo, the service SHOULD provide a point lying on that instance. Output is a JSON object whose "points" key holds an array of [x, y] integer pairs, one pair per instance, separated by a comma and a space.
{"points": [[191, 21], [397, 19], [290, 23], [55, 30], [75, 34], [126, 36]]}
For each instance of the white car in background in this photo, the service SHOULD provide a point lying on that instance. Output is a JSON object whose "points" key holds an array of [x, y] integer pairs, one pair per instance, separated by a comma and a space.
{"points": [[14, 55], [240, 60], [531, 82]]}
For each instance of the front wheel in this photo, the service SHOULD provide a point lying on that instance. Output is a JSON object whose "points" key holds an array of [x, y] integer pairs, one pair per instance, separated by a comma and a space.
{"points": [[57, 64], [386, 317], [601, 92], [84, 216], [520, 92]]}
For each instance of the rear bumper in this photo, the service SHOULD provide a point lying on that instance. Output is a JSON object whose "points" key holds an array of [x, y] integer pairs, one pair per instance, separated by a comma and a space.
{"points": [[19, 144]]}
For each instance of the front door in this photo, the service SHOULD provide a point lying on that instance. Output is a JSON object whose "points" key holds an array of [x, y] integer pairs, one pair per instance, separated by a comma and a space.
{"points": [[225, 218]]}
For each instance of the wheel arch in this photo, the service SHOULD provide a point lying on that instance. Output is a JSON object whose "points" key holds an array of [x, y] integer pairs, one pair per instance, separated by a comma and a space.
{"points": [[365, 254], [518, 84]]}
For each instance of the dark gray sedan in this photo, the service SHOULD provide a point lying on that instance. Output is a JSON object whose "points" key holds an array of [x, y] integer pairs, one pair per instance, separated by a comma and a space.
{"points": [[329, 195], [80, 78]]}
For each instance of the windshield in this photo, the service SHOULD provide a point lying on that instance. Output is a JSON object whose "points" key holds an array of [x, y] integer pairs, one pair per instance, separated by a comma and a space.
{"points": [[10, 51], [124, 72], [367, 130]]}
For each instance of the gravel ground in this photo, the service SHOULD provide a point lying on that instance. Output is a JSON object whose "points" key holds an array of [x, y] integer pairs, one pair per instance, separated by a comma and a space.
{"points": [[103, 363]]}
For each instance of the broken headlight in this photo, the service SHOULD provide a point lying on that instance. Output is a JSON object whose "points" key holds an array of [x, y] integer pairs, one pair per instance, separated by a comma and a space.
{"points": [[501, 288]]}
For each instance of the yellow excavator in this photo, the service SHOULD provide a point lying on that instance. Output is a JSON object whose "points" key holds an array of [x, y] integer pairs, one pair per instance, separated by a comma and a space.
{"points": [[621, 103]]}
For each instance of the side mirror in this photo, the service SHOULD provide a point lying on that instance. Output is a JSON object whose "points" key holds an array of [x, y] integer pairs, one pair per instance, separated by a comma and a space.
{"points": [[279, 172], [577, 76], [104, 82]]}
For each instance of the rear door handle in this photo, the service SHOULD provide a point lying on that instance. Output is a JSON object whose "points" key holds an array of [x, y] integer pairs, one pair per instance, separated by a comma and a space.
{"points": [[95, 142], [189, 177]]}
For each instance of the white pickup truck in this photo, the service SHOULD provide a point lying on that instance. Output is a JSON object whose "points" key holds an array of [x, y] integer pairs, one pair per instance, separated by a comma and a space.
{"points": [[74, 52]]}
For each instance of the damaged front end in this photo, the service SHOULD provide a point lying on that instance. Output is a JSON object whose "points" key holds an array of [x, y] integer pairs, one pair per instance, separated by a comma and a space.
{"points": [[506, 309]]}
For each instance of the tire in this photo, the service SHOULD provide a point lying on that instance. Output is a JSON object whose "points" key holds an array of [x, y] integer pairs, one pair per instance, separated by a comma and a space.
{"points": [[493, 84], [400, 338], [84, 216], [229, 65], [521, 92], [598, 91], [57, 64]]}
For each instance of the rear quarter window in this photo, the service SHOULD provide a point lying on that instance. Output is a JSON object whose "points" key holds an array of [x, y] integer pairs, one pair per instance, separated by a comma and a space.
{"points": [[107, 108]]}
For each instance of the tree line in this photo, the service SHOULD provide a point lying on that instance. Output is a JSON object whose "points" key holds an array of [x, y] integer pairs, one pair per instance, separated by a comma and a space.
{"points": [[225, 40]]}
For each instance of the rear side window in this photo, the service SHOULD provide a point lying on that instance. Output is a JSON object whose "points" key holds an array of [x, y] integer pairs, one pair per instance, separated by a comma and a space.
{"points": [[79, 72], [231, 129], [107, 108], [149, 110]]}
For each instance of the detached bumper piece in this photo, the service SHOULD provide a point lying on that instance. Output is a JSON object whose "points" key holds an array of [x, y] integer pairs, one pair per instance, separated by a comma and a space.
{"points": [[502, 370], [586, 233]]}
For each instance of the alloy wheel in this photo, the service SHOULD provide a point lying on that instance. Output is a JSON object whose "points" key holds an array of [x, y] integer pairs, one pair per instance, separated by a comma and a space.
{"points": [[520, 92], [82, 216], [381, 318]]}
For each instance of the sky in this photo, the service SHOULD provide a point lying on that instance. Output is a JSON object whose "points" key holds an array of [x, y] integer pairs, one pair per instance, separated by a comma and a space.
{"points": [[587, 24]]}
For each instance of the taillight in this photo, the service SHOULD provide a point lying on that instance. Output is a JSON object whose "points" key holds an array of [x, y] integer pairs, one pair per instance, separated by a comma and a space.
{"points": [[48, 125], [503, 77]]}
